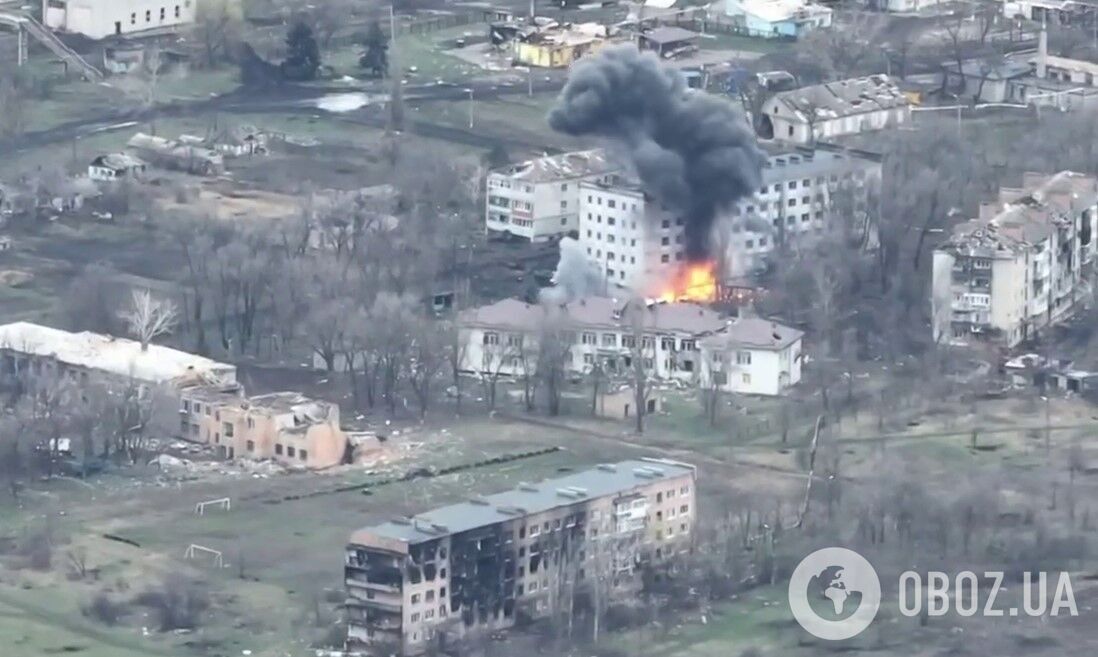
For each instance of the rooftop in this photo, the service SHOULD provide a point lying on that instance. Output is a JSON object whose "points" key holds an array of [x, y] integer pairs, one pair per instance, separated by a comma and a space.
{"points": [[754, 332], [594, 312], [601, 481], [1029, 216], [843, 98], [669, 34], [776, 11], [118, 161], [565, 166], [1069, 64], [117, 356]]}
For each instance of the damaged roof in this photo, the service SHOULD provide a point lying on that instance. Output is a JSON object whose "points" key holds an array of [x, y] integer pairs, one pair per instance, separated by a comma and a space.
{"points": [[1029, 217], [117, 356], [669, 34], [601, 481], [593, 313], [565, 166], [844, 98], [754, 332]]}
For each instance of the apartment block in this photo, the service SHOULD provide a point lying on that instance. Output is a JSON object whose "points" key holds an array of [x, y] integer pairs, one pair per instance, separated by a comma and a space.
{"points": [[639, 245], [539, 199], [416, 583], [1025, 264]]}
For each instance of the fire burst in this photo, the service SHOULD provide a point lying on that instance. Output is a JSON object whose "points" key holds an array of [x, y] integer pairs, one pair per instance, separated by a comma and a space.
{"points": [[694, 282]]}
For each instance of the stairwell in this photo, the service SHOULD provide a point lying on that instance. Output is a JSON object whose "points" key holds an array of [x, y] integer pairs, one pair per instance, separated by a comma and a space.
{"points": [[28, 25]]}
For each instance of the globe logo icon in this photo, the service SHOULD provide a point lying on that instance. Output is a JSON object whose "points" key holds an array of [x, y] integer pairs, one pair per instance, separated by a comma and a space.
{"points": [[834, 593]]}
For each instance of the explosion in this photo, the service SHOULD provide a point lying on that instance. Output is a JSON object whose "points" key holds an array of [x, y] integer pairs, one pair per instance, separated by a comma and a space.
{"points": [[695, 282]]}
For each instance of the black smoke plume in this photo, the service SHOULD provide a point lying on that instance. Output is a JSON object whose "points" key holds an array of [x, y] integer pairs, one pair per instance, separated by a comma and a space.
{"points": [[694, 153]]}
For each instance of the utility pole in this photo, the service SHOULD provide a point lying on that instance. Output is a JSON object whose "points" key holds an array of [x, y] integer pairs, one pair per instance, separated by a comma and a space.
{"points": [[471, 106], [530, 81]]}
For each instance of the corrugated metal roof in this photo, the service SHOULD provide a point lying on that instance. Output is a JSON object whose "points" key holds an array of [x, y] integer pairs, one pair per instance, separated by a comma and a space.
{"points": [[601, 481]]}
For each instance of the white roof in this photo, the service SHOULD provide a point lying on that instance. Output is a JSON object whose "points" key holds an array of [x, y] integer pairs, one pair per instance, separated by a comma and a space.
{"points": [[117, 356], [776, 11]]}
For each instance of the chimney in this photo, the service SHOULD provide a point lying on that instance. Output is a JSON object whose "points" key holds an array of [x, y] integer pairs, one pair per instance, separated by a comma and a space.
{"points": [[1042, 51]]}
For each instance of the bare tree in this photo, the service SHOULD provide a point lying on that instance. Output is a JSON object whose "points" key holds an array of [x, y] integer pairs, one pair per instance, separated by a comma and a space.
{"points": [[217, 29], [13, 106], [148, 317], [428, 357]]}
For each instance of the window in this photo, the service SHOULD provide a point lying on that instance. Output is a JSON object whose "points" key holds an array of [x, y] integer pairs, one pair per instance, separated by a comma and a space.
{"points": [[665, 223], [743, 357], [611, 203], [589, 359], [685, 508], [250, 446], [588, 338], [303, 455], [535, 530], [290, 451], [278, 449], [491, 337], [430, 613], [148, 15], [792, 184], [665, 258], [746, 378], [177, 11], [628, 341], [162, 13], [415, 618], [667, 344], [665, 241], [415, 598], [227, 429], [609, 340], [186, 405], [514, 339], [133, 19]]}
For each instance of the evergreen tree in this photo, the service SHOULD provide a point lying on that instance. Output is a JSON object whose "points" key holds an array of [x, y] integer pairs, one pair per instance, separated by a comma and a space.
{"points": [[376, 57], [302, 53]]}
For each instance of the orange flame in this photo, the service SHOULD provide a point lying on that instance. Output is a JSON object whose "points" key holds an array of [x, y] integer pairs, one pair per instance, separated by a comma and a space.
{"points": [[695, 282]]}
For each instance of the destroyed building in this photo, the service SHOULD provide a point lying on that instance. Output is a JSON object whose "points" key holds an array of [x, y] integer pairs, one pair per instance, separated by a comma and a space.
{"points": [[177, 154], [835, 109], [286, 427], [416, 583], [1023, 265]]}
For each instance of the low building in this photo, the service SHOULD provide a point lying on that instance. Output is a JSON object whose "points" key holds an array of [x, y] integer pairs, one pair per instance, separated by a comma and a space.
{"points": [[752, 356], [668, 41], [113, 167], [414, 584], [506, 337], [620, 403], [846, 107], [539, 199], [177, 154], [286, 427], [1079, 13], [92, 358], [771, 19], [903, 6], [1025, 264], [988, 82], [99, 19], [558, 47], [639, 246]]}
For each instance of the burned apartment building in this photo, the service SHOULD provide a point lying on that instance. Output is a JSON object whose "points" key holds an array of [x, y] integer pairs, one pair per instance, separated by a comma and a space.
{"points": [[575, 542], [1025, 264], [638, 244]]}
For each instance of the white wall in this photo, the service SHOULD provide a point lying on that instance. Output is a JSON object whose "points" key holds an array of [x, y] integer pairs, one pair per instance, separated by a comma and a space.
{"points": [[553, 210], [770, 371], [102, 18]]}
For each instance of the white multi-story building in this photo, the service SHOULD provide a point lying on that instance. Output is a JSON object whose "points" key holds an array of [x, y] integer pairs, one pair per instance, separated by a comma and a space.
{"points": [[1025, 264], [99, 19], [845, 107], [638, 245], [752, 356], [539, 199]]}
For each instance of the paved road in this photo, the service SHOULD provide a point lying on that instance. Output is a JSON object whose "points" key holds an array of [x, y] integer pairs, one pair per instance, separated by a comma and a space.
{"points": [[288, 98]]}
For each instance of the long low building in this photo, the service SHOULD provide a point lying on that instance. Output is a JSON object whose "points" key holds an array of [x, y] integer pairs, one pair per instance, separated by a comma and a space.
{"points": [[414, 584], [514, 338], [835, 109]]}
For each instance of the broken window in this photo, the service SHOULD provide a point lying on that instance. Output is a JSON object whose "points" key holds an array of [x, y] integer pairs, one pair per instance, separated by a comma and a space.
{"points": [[415, 598], [290, 451], [278, 449], [303, 455]]}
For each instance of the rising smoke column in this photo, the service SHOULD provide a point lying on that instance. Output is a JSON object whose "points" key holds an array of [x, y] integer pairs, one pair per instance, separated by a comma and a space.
{"points": [[693, 152]]}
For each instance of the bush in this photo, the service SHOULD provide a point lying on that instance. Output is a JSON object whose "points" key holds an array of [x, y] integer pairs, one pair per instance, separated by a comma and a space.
{"points": [[37, 547], [105, 610], [177, 602]]}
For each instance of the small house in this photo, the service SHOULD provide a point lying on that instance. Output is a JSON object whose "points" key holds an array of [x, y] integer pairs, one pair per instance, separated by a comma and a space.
{"points": [[116, 166]]}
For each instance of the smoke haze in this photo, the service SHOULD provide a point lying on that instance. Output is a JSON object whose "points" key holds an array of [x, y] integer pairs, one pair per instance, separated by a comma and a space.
{"points": [[576, 276], [693, 152]]}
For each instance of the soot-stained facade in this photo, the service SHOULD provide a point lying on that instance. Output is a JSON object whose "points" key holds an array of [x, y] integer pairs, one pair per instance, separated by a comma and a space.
{"points": [[524, 554]]}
